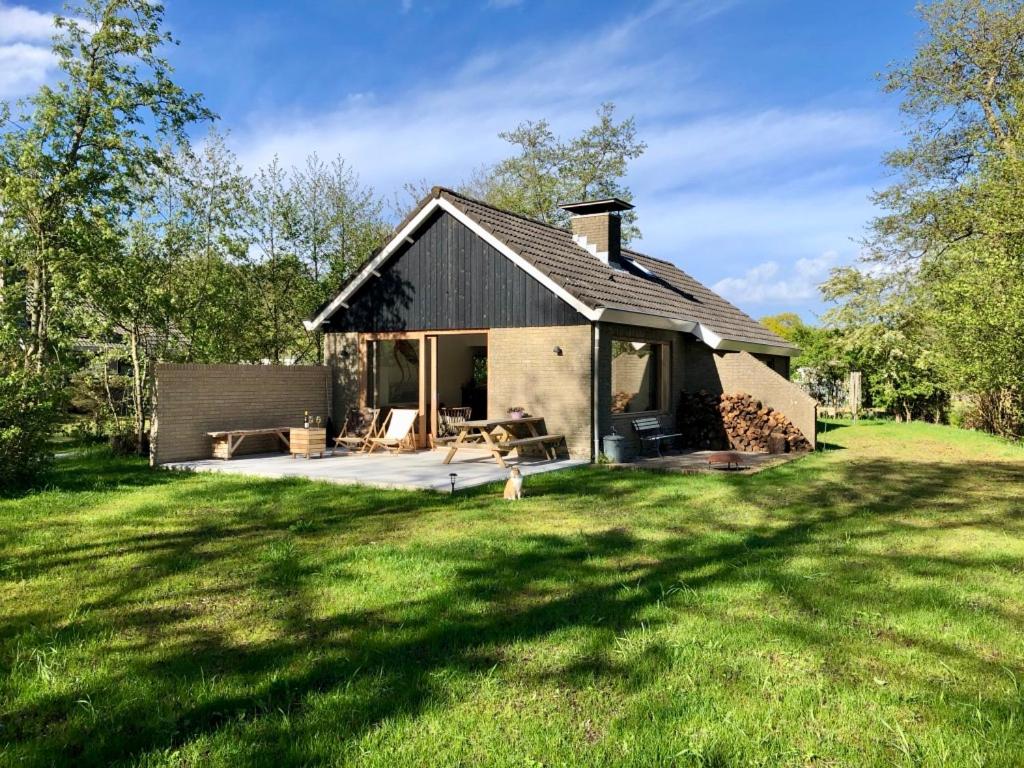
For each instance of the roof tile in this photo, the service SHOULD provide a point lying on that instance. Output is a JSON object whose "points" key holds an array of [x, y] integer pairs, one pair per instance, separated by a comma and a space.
{"points": [[666, 291]]}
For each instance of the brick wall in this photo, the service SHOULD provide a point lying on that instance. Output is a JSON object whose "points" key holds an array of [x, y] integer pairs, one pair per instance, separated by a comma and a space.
{"points": [[523, 369], [192, 400], [742, 372], [701, 372]]}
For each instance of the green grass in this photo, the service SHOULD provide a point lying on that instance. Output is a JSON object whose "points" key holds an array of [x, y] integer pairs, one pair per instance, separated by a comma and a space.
{"points": [[860, 606]]}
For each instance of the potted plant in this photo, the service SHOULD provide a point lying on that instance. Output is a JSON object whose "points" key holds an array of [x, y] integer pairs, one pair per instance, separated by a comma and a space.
{"points": [[516, 412]]}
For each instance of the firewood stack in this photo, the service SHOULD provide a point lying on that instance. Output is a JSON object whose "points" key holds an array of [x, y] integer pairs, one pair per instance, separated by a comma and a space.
{"points": [[700, 421], [752, 426], [736, 421]]}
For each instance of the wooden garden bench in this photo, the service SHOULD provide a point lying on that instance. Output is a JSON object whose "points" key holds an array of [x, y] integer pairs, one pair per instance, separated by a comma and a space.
{"points": [[226, 441]]}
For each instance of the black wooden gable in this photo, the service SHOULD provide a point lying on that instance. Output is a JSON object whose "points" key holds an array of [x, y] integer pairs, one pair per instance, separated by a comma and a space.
{"points": [[449, 278]]}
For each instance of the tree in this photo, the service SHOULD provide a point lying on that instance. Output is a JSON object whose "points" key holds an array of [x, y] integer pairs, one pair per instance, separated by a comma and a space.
{"points": [[339, 223], [271, 268], [548, 170], [204, 196], [961, 93], [949, 236], [786, 325], [71, 158], [884, 331]]}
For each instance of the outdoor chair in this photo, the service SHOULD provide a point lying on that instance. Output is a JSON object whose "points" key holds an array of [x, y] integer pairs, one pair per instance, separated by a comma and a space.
{"points": [[360, 425], [397, 431], [448, 420]]}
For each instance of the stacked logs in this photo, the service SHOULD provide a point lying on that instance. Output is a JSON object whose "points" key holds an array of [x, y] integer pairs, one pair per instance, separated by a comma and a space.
{"points": [[700, 421], [752, 426], [737, 421]]}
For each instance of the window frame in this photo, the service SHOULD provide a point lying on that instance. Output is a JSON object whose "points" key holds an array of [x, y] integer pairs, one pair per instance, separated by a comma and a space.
{"points": [[663, 380]]}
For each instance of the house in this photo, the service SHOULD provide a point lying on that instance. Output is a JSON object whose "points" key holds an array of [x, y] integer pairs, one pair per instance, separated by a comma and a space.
{"points": [[469, 305]]}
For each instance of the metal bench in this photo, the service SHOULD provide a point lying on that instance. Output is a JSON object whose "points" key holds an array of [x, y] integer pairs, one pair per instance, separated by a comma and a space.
{"points": [[649, 430]]}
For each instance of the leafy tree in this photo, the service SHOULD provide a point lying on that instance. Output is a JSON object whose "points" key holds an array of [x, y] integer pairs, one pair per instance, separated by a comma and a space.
{"points": [[29, 402], [338, 224], [71, 157], [885, 333], [787, 325], [949, 238], [204, 199], [272, 270], [549, 170], [825, 360]]}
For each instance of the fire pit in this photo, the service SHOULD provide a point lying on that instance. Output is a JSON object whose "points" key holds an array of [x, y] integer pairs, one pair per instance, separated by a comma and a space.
{"points": [[725, 460]]}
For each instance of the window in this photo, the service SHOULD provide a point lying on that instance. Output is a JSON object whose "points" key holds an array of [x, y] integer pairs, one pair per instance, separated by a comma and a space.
{"points": [[393, 375], [638, 373]]}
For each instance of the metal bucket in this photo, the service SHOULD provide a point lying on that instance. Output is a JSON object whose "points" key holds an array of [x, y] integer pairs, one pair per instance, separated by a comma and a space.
{"points": [[617, 449]]}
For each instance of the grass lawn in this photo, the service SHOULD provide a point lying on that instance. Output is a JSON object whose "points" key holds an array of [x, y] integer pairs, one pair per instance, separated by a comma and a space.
{"points": [[863, 606]]}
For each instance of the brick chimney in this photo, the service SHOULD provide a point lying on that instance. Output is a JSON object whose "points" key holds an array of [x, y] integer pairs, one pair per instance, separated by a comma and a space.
{"points": [[597, 227]]}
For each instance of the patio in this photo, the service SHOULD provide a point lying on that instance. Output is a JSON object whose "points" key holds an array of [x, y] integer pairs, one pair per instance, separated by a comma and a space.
{"points": [[422, 470]]}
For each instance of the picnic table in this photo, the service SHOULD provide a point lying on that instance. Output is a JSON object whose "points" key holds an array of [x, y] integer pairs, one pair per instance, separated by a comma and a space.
{"points": [[484, 434]]}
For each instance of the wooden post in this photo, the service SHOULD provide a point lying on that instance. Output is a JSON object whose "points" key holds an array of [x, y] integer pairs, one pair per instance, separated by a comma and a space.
{"points": [[855, 393]]}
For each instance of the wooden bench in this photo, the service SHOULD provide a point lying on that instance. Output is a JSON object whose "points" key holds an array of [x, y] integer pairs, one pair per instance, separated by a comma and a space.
{"points": [[547, 442], [649, 429], [226, 441]]}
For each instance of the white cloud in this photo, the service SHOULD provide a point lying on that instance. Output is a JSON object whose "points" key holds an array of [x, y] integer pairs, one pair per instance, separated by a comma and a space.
{"points": [[446, 125], [719, 189], [20, 23], [768, 283], [709, 148], [23, 68], [25, 56]]}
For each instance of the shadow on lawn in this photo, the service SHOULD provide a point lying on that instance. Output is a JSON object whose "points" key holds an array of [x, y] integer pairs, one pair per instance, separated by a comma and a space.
{"points": [[382, 664]]}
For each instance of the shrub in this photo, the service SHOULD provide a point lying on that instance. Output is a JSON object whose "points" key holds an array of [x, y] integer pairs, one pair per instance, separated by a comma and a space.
{"points": [[28, 414], [1000, 412]]}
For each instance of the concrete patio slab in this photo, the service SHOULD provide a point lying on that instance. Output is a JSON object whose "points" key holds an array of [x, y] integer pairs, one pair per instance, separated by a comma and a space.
{"points": [[408, 471]]}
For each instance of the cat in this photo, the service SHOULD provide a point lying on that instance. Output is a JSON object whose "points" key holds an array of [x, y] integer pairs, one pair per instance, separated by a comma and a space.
{"points": [[514, 486]]}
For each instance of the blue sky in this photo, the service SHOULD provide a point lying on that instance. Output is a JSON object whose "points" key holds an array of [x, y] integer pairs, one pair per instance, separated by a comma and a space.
{"points": [[764, 120]]}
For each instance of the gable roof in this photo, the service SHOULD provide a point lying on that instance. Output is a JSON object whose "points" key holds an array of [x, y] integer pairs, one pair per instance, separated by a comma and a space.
{"points": [[640, 290]]}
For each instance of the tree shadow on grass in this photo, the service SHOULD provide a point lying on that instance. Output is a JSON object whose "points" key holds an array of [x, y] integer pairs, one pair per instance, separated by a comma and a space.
{"points": [[91, 469], [380, 663]]}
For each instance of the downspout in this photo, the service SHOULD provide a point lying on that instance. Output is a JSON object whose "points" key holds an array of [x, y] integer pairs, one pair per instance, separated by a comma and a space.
{"points": [[594, 371]]}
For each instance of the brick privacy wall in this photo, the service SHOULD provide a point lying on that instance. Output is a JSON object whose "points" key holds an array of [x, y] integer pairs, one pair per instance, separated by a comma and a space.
{"points": [[742, 372], [192, 400], [522, 369], [341, 354], [678, 357]]}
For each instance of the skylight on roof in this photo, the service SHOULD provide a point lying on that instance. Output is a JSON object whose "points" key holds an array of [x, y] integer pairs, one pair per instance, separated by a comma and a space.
{"points": [[639, 266]]}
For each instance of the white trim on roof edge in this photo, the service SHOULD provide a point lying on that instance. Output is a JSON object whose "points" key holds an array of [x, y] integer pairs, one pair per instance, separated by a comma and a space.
{"points": [[372, 267], [715, 341], [369, 270], [602, 314], [644, 320]]}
